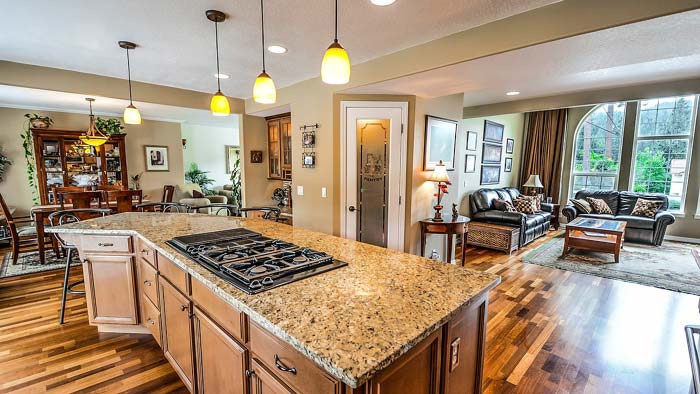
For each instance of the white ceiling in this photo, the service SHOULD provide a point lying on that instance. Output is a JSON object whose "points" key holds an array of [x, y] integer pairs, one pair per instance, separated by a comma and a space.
{"points": [[660, 49], [35, 99], [176, 41]]}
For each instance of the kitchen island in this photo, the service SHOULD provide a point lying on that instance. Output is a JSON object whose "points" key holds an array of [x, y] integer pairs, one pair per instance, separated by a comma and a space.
{"points": [[387, 322]]}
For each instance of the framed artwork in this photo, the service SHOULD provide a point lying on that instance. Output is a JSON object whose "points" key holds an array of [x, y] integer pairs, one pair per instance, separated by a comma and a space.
{"points": [[233, 154], [493, 132], [510, 144], [256, 156], [156, 158], [470, 163], [490, 175], [472, 137], [440, 136], [491, 153], [308, 159], [309, 140], [508, 166]]}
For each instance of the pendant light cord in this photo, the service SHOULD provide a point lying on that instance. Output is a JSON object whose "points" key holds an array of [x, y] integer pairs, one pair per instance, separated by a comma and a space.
{"points": [[262, 30], [336, 20], [218, 73], [128, 67]]}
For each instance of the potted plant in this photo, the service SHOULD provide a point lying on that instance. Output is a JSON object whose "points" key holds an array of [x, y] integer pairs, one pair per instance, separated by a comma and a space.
{"points": [[4, 164], [195, 175], [109, 126], [38, 121]]}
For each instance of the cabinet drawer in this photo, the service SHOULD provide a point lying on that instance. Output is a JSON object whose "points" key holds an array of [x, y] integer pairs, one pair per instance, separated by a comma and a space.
{"points": [[176, 275], [151, 318], [228, 317], [106, 244], [289, 365], [149, 281], [148, 253]]}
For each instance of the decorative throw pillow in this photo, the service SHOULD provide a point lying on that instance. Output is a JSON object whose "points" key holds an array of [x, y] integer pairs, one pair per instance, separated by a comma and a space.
{"points": [[582, 205], [525, 204], [197, 194], [503, 205], [599, 206], [646, 208]]}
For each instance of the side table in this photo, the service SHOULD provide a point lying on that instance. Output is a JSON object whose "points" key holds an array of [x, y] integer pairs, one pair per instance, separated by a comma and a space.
{"points": [[556, 211], [451, 226]]}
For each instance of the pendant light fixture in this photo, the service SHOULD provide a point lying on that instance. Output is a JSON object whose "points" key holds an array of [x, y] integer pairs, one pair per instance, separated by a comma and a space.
{"points": [[335, 68], [93, 136], [131, 113], [219, 103], [264, 91]]}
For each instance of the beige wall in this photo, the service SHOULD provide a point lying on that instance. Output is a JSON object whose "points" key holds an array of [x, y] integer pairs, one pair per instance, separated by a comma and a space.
{"points": [[206, 146], [16, 189], [257, 189]]}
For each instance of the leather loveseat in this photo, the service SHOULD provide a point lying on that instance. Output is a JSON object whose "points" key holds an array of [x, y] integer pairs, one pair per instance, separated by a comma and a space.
{"points": [[532, 226], [640, 229]]}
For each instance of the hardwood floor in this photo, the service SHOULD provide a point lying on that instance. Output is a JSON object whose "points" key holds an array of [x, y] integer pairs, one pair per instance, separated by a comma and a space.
{"points": [[550, 331]]}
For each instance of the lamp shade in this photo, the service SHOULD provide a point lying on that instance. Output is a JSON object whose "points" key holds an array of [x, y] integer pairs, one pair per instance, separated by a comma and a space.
{"points": [[219, 105], [533, 181], [440, 173], [335, 68], [132, 115], [264, 91]]}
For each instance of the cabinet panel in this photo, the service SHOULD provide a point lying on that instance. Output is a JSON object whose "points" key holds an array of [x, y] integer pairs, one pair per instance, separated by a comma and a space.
{"points": [[176, 275], [230, 319], [110, 288], [263, 382], [148, 280], [151, 319], [274, 160], [221, 361], [177, 331]]}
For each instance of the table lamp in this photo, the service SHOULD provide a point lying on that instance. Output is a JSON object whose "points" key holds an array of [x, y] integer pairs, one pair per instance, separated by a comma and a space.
{"points": [[534, 182], [440, 176]]}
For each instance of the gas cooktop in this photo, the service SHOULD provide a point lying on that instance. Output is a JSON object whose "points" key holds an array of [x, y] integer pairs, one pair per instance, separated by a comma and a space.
{"points": [[251, 261]]}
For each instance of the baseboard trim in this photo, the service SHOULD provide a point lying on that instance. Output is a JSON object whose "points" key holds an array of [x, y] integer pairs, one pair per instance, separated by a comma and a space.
{"points": [[682, 239]]}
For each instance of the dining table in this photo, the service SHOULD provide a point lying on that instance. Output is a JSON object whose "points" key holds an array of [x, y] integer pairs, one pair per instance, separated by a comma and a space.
{"points": [[40, 214]]}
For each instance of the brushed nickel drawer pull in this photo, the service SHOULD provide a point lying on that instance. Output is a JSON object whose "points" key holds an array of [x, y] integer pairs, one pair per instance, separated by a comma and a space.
{"points": [[145, 251], [150, 321], [183, 307], [105, 244], [147, 282], [283, 367]]}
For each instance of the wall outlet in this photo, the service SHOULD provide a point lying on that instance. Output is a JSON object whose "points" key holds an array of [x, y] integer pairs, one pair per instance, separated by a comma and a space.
{"points": [[300, 190], [324, 194]]}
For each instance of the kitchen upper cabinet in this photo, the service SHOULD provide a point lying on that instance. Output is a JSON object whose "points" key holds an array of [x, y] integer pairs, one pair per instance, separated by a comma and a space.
{"points": [[177, 331], [110, 289], [263, 382], [279, 147], [221, 361]]}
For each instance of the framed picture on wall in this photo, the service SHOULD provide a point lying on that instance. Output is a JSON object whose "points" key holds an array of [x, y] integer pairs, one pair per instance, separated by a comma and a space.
{"points": [[156, 158], [233, 155], [472, 137], [493, 132], [490, 175], [470, 163], [440, 137], [256, 156], [510, 145], [508, 166], [491, 153]]}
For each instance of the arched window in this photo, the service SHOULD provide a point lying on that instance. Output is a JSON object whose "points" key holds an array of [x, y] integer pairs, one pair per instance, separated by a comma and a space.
{"points": [[597, 147]]}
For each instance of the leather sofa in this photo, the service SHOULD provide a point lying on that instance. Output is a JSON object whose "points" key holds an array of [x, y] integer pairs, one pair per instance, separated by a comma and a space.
{"points": [[532, 226], [639, 228]]}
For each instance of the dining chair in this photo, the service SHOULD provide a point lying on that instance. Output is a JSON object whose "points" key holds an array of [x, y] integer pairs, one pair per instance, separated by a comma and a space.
{"points": [[168, 192], [23, 235], [55, 191], [165, 207], [81, 200], [112, 187], [267, 213], [123, 200], [59, 218], [216, 209]]}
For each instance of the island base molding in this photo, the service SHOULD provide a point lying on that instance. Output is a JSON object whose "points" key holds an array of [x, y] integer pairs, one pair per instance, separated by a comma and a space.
{"points": [[133, 288]]}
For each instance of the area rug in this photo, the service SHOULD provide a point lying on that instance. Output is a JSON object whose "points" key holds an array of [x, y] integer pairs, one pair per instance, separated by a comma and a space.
{"points": [[672, 266], [28, 263]]}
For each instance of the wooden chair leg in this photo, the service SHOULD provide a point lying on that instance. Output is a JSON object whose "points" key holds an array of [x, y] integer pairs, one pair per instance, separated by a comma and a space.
{"points": [[15, 253]]}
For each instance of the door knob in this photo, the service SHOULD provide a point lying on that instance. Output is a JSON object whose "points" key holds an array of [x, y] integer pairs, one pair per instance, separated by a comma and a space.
{"points": [[352, 208]]}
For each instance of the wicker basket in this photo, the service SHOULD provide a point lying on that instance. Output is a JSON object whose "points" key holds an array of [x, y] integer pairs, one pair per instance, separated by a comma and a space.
{"points": [[494, 236]]}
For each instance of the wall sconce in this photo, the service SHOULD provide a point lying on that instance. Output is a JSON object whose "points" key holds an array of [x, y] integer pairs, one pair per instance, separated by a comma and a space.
{"points": [[184, 143]]}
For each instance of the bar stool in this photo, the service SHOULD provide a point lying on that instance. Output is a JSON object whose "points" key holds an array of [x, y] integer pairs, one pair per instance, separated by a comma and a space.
{"points": [[71, 216]]}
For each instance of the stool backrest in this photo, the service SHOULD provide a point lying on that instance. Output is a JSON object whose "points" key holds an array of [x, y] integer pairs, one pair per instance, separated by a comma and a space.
{"points": [[81, 200]]}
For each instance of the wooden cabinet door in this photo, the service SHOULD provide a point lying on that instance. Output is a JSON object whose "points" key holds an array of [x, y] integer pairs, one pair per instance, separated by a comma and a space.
{"points": [[274, 150], [177, 331], [221, 361], [263, 382], [286, 142], [113, 300]]}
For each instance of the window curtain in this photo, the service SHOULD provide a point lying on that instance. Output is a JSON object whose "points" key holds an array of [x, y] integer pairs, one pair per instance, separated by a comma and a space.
{"points": [[543, 150]]}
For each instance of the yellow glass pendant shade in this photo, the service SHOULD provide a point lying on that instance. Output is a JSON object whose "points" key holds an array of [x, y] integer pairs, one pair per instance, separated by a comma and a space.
{"points": [[264, 91], [93, 140], [219, 105], [335, 68], [132, 115]]}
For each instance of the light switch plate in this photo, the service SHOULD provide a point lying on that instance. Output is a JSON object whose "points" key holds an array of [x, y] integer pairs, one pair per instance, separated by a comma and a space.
{"points": [[324, 194], [300, 190]]}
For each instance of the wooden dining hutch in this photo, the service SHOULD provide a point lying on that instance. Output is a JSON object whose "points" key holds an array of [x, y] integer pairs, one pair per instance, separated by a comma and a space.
{"points": [[63, 160]]}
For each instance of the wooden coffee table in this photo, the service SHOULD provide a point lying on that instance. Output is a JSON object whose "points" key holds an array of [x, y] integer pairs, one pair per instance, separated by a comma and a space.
{"points": [[598, 235]]}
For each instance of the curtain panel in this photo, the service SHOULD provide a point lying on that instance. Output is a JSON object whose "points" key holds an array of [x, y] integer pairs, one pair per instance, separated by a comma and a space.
{"points": [[543, 150]]}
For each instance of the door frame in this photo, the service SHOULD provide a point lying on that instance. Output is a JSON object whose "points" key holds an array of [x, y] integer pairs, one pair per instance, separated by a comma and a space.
{"points": [[344, 106]]}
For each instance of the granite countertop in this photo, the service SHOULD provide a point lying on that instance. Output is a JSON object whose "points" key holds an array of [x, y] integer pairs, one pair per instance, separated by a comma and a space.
{"points": [[352, 321]]}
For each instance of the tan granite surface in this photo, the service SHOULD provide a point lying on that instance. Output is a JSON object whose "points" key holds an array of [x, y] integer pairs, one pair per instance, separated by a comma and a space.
{"points": [[352, 321]]}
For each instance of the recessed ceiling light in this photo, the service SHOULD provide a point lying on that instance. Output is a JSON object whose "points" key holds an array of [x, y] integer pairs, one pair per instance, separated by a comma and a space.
{"points": [[513, 93], [276, 49], [221, 76], [383, 3]]}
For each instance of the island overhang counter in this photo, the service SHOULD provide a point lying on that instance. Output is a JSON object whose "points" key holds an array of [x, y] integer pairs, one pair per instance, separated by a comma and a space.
{"points": [[388, 321]]}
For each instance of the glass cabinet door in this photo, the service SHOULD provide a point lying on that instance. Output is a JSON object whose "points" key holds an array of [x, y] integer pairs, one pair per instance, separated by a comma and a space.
{"points": [[82, 164], [53, 165], [113, 164], [273, 142], [286, 131]]}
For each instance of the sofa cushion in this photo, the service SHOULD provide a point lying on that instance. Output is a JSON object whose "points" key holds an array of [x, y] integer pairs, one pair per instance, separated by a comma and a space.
{"points": [[599, 206], [639, 222], [503, 205], [597, 216], [537, 218], [185, 191], [582, 205], [610, 197], [646, 208], [483, 199], [629, 199]]}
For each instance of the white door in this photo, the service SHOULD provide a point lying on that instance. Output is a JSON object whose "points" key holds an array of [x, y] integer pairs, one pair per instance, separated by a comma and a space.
{"points": [[373, 172]]}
